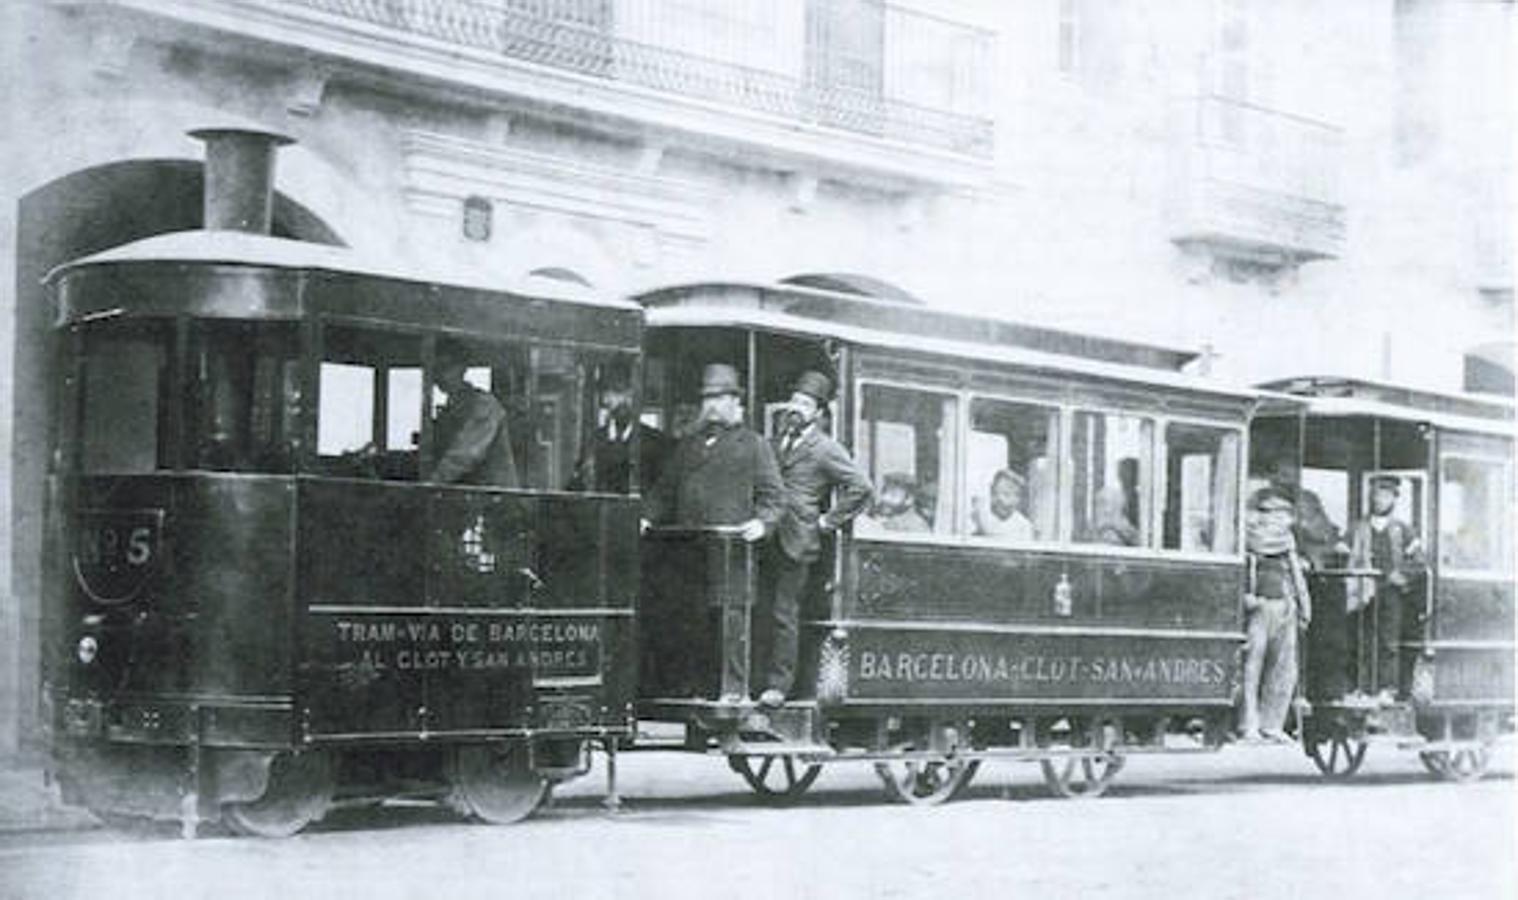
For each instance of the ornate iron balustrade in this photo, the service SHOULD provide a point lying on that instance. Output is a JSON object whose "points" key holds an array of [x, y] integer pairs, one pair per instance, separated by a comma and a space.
{"points": [[807, 82]]}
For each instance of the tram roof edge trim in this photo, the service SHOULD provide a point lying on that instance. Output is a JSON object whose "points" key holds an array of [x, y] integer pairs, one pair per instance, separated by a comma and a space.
{"points": [[1357, 406], [241, 248], [695, 317]]}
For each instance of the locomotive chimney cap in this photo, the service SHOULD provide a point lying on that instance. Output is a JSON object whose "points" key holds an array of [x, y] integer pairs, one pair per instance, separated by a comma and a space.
{"points": [[272, 137]]}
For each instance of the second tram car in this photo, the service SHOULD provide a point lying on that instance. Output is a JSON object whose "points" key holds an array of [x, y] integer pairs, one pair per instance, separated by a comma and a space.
{"points": [[932, 639]]}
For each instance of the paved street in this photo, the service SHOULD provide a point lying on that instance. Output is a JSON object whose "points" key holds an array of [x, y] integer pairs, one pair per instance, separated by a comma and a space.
{"points": [[1242, 823]]}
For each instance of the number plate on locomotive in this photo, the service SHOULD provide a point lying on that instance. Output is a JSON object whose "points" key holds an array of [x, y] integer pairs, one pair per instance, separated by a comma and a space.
{"points": [[115, 550]]}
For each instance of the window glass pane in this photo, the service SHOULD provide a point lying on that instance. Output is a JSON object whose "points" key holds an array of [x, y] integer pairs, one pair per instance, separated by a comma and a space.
{"points": [[124, 395], [1111, 463], [1010, 473], [1475, 526], [562, 407], [370, 416], [609, 422], [244, 397], [1201, 496], [907, 445], [347, 408]]}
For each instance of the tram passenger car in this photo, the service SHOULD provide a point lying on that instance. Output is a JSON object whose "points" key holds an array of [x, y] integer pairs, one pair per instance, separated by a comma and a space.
{"points": [[1108, 623], [1328, 441], [259, 603]]}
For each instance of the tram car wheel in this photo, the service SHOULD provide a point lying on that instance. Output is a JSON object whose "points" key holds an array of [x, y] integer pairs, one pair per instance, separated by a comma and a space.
{"points": [[775, 777], [926, 782], [1336, 753], [1076, 777], [299, 792], [495, 783], [1462, 765]]}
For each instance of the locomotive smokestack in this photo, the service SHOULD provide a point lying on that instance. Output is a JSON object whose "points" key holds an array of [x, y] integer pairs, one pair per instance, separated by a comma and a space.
{"points": [[239, 189]]}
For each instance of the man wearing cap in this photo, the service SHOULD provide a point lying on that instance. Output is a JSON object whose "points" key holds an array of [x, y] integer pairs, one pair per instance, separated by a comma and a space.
{"points": [[474, 446], [1276, 605], [1385, 543], [607, 467], [813, 467]]}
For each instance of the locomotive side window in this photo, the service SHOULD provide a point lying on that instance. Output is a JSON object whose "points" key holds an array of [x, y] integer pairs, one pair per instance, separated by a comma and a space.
{"points": [[1475, 526], [244, 397], [1201, 488], [1111, 458], [907, 440], [1011, 473], [125, 400], [369, 417]]}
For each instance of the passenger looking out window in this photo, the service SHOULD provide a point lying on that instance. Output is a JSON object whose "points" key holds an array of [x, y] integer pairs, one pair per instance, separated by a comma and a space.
{"points": [[1111, 455], [907, 440], [1001, 515], [1010, 448]]}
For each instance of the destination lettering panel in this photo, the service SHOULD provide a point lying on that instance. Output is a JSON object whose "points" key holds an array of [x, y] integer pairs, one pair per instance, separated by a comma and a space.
{"points": [[401, 644], [909, 664]]}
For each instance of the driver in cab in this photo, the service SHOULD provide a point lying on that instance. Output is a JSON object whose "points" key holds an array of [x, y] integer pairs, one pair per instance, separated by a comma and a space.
{"points": [[472, 440]]}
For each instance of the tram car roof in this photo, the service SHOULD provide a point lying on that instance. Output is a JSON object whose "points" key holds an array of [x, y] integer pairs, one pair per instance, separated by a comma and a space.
{"points": [[891, 325], [216, 249], [1344, 396]]}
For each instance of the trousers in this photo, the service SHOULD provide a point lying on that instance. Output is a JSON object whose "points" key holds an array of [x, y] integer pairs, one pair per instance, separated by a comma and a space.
{"points": [[779, 618], [1270, 665]]}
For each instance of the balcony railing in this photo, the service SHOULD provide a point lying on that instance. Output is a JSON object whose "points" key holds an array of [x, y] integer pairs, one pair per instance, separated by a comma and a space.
{"points": [[1259, 182], [862, 66]]}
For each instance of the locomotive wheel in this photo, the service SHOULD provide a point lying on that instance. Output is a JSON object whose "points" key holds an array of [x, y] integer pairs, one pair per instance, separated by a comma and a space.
{"points": [[1463, 765], [299, 791], [772, 782], [1337, 757], [1081, 776], [494, 782], [924, 782]]}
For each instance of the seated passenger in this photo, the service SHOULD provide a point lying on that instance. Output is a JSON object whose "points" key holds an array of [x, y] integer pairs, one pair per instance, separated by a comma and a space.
{"points": [[895, 507], [1109, 522], [1003, 516]]}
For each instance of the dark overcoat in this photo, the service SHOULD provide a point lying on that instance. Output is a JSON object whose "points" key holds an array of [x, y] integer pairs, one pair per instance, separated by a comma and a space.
{"points": [[718, 477]]}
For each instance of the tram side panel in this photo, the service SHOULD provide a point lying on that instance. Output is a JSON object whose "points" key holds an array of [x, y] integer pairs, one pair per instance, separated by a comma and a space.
{"points": [[1472, 641], [1020, 630], [475, 614]]}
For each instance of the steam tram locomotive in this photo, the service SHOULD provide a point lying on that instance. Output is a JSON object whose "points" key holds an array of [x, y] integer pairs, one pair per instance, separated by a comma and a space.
{"points": [[261, 601], [1436, 675]]}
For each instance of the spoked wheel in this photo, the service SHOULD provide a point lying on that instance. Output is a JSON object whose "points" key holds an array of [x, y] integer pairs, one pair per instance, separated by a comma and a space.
{"points": [[1337, 756], [495, 782], [926, 782], [1462, 765], [780, 777], [299, 791], [1081, 776]]}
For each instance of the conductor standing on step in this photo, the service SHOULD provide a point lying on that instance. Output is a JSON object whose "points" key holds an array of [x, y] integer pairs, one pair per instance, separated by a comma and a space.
{"points": [[813, 466]]}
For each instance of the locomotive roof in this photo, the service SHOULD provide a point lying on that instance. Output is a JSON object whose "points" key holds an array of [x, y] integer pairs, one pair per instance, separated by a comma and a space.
{"points": [[771, 320], [911, 322], [263, 251]]}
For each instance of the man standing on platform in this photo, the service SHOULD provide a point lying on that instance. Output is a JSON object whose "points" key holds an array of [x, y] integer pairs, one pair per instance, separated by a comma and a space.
{"points": [[1276, 605], [1385, 543], [814, 467]]}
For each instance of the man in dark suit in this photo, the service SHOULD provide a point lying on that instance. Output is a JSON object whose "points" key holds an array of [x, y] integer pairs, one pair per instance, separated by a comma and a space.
{"points": [[607, 467], [721, 473], [814, 467]]}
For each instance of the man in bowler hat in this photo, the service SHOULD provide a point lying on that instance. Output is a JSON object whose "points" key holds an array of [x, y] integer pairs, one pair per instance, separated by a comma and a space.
{"points": [[722, 473], [814, 467]]}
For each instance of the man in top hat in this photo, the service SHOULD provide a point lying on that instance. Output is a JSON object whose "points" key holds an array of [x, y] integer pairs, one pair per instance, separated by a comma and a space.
{"points": [[607, 466], [1385, 543], [814, 468], [474, 445], [1276, 605]]}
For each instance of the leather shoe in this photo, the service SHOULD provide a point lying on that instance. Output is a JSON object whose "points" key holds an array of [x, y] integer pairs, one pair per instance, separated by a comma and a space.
{"points": [[772, 698]]}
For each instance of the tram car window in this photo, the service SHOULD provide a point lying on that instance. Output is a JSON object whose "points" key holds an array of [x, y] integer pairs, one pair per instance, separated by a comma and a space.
{"points": [[1111, 460], [369, 411], [1201, 489], [1010, 474], [1475, 529], [907, 443], [244, 396]]}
